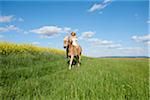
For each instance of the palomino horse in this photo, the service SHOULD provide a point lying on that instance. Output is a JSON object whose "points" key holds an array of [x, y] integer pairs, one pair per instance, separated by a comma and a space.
{"points": [[72, 51]]}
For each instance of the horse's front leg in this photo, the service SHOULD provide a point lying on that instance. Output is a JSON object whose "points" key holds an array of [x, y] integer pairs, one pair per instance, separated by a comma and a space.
{"points": [[79, 60], [71, 59], [67, 51]]}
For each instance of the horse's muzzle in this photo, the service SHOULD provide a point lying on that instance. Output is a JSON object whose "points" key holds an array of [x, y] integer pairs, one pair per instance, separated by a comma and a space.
{"points": [[64, 46]]}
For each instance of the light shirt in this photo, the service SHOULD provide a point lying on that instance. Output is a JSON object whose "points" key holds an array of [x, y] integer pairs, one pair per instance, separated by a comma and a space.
{"points": [[74, 41]]}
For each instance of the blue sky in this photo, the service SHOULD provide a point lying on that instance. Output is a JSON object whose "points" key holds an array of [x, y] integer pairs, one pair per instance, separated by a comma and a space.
{"points": [[103, 27]]}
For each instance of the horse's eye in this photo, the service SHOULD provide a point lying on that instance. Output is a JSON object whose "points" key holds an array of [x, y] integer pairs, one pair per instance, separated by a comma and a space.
{"points": [[64, 41]]}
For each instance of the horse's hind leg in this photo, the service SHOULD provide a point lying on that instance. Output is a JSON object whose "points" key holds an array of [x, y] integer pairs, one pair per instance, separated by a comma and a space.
{"points": [[79, 60], [71, 59]]}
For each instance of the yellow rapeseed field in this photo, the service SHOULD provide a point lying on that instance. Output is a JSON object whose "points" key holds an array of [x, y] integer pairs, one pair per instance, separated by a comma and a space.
{"points": [[7, 48]]}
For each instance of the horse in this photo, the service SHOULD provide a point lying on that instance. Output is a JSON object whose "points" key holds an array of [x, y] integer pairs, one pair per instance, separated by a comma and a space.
{"points": [[72, 51]]}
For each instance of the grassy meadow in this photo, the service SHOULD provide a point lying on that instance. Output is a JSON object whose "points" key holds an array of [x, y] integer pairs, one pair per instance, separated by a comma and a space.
{"points": [[33, 73]]}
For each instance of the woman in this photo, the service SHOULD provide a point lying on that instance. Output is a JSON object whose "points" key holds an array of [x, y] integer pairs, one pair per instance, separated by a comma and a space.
{"points": [[74, 40]]}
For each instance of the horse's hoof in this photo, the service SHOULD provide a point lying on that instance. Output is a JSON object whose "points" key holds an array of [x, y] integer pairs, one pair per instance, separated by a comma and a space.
{"points": [[78, 65], [69, 68]]}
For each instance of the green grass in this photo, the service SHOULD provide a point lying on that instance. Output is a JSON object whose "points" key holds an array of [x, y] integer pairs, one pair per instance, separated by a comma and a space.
{"points": [[45, 76]]}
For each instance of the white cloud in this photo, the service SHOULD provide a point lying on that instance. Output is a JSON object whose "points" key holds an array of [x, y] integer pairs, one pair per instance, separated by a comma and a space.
{"points": [[51, 31], [4, 19], [122, 51], [114, 45], [10, 18], [20, 19], [96, 7], [48, 30], [4, 29], [35, 43], [144, 39], [130, 48], [133, 50], [148, 21], [98, 42], [100, 6], [45, 37], [87, 35], [9, 28], [147, 43], [104, 43], [69, 30], [99, 47], [107, 1]]}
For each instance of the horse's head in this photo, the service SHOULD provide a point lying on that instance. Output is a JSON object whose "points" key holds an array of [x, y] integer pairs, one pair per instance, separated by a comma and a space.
{"points": [[66, 41]]}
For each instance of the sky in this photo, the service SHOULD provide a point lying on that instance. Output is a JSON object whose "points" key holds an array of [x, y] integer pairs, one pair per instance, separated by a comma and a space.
{"points": [[103, 27]]}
